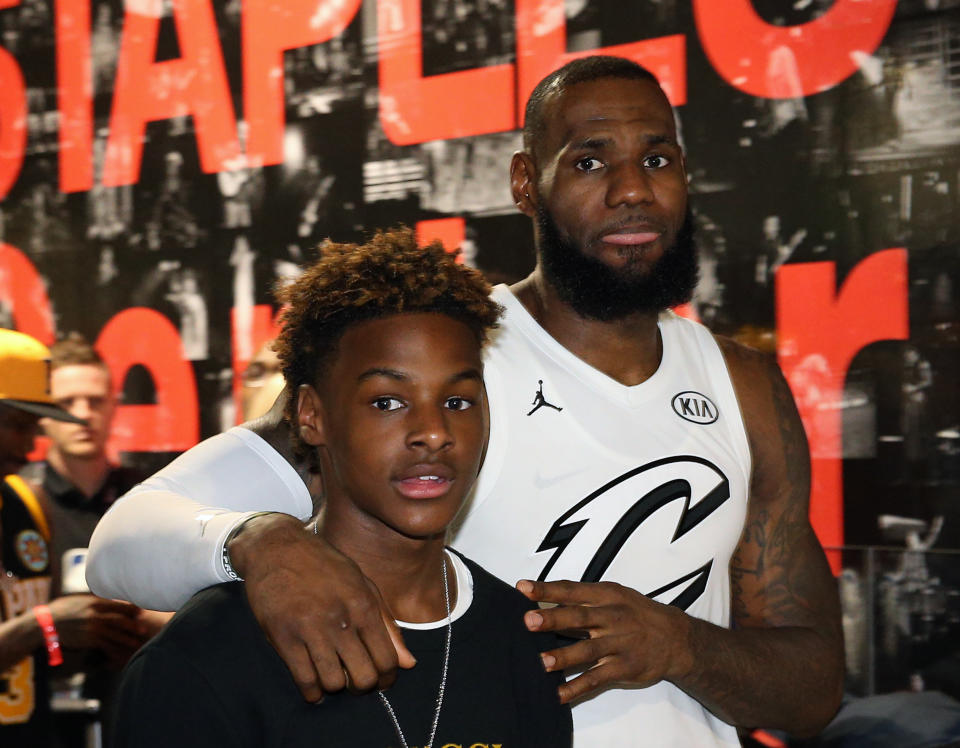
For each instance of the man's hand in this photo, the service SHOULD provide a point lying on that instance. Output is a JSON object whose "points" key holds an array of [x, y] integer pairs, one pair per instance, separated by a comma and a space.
{"points": [[631, 639], [151, 621], [90, 622], [322, 615]]}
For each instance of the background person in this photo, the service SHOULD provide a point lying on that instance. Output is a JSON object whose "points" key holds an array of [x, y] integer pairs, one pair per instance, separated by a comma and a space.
{"points": [[36, 631], [76, 480], [262, 382], [75, 484]]}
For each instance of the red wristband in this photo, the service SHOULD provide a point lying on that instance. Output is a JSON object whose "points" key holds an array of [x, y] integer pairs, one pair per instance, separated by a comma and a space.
{"points": [[50, 638]]}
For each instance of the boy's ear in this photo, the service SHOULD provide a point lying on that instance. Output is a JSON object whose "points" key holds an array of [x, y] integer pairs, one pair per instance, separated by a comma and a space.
{"points": [[310, 415]]}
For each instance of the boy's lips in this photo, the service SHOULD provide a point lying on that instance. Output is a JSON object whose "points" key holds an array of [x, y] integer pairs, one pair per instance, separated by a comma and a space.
{"points": [[424, 481]]}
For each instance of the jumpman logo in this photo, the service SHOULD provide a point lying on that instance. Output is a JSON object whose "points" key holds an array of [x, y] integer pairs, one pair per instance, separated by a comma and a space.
{"points": [[539, 401]]}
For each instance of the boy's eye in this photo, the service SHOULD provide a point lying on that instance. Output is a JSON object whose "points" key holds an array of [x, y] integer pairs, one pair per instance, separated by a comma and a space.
{"points": [[588, 163], [458, 403], [656, 162], [387, 403]]}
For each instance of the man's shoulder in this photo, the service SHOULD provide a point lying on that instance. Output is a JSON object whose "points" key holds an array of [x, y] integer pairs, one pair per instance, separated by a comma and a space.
{"points": [[34, 472], [743, 358], [756, 378]]}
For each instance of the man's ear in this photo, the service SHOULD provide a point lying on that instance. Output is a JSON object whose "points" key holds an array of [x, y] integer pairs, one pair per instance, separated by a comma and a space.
{"points": [[310, 415], [523, 182]]}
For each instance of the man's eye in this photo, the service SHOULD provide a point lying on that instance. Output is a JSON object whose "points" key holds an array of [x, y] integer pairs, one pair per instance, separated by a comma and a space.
{"points": [[656, 162], [589, 164], [458, 403], [387, 403]]}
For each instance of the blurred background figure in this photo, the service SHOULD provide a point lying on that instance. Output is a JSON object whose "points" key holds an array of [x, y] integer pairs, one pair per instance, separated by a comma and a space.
{"points": [[77, 480], [75, 484], [262, 382], [40, 636]]}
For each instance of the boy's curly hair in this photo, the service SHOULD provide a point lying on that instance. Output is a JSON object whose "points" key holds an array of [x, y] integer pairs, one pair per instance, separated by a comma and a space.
{"points": [[353, 283]]}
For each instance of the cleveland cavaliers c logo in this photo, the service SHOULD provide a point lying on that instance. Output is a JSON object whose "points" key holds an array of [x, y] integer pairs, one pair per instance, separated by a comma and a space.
{"points": [[597, 527]]}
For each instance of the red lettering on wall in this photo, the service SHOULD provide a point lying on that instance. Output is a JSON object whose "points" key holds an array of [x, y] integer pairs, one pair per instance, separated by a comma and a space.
{"points": [[13, 121], [143, 336], [22, 288], [819, 333], [194, 84], [541, 48], [450, 232], [785, 62], [415, 109], [74, 94], [269, 29]]}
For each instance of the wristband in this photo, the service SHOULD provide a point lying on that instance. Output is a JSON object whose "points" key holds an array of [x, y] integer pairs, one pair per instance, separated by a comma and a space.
{"points": [[225, 553], [45, 619]]}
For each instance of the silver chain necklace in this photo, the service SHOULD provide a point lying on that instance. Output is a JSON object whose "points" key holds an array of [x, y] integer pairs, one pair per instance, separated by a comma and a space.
{"points": [[443, 678]]}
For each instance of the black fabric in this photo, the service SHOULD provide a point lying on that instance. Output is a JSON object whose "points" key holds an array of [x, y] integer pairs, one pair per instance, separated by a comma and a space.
{"points": [[24, 689], [211, 678]]}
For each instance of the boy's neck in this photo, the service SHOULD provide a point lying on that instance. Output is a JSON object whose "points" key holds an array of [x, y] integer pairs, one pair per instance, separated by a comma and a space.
{"points": [[407, 571]]}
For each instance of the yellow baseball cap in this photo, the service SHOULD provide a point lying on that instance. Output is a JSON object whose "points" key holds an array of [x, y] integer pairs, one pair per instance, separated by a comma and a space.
{"points": [[25, 376]]}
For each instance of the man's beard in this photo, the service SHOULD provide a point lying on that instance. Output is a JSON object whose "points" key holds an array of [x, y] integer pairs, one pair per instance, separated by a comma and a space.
{"points": [[597, 291]]}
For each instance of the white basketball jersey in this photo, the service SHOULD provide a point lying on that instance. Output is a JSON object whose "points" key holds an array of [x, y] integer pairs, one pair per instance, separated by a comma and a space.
{"points": [[587, 479]]}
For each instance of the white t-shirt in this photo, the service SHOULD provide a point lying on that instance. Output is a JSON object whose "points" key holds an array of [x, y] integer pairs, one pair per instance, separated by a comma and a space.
{"points": [[584, 479]]}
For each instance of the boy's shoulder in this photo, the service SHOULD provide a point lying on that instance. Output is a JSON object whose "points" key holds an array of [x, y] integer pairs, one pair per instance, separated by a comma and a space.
{"points": [[211, 629], [493, 589], [220, 611], [496, 612]]}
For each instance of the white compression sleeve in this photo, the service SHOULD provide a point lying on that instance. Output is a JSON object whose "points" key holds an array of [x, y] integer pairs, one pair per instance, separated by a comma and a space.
{"points": [[162, 541]]}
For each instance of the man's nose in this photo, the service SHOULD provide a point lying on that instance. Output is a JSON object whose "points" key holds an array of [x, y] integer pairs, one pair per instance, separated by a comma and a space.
{"points": [[80, 408], [630, 184]]}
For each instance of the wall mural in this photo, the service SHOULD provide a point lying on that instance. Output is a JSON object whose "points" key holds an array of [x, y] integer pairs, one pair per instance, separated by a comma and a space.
{"points": [[165, 163]]}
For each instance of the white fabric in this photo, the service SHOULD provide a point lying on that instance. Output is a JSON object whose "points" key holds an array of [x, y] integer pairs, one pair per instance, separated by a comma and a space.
{"points": [[464, 587], [539, 467], [235, 469]]}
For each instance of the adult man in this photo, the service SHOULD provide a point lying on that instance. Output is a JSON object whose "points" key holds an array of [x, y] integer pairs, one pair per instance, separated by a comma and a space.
{"points": [[28, 622], [76, 481], [639, 484], [75, 484]]}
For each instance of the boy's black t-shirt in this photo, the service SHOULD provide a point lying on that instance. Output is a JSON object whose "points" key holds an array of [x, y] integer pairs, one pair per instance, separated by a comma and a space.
{"points": [[211, 678]]}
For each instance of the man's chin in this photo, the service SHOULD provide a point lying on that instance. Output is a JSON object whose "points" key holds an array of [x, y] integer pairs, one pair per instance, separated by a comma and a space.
{"points": [[82, 451]]}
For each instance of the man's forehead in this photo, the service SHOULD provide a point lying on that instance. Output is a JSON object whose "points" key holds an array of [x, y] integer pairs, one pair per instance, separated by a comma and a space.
{"points": [[80, 371], [624, 100]]}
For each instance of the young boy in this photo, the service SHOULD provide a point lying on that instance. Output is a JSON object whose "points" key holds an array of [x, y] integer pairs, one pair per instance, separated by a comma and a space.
{"points": [[381, 344]]}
